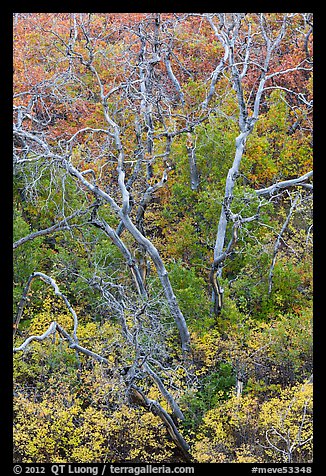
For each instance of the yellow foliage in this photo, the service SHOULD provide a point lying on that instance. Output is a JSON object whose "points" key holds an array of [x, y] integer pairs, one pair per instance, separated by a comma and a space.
{"points": [[53, 309], [278, 430], [286, 425], [59, 429], [206, 348], [247, 454], [204, 451]]}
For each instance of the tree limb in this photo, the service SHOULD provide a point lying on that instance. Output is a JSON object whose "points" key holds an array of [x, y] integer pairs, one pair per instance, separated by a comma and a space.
{"points": [[285, 184], [57, 292], [61, 225]]}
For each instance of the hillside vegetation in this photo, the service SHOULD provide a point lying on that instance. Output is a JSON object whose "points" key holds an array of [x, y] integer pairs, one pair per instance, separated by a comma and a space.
{"points": [[163, 237]]}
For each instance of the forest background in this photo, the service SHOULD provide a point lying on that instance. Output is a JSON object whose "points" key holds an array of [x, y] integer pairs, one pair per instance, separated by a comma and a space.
{"points": [[163, 237]]}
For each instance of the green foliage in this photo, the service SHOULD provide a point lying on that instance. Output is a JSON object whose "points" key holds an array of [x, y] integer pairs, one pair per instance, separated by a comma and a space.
{"points": [[59, 428], [70, 408], [29, 257], [271, 152], [74, 412], [191, 293], [215, 387], [236, 430]]}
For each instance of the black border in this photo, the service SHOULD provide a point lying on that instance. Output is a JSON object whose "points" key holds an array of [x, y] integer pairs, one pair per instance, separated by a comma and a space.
{"points": [[6, 254]]}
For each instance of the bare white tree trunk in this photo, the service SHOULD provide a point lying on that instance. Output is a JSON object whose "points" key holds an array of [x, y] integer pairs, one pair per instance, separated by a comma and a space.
{"points": [[228, 34]]}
